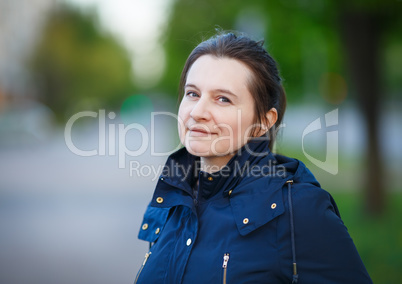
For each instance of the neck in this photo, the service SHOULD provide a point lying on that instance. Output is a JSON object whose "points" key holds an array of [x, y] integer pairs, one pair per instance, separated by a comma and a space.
{"points": [[214, 164]]}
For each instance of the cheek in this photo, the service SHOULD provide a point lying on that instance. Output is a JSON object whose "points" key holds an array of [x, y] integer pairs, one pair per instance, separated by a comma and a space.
{"points": [[247, 126], [184, 111], [181, 121], [231, 124]]}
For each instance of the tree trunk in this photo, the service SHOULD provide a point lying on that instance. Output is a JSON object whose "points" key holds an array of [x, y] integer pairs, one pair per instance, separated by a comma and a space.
{"points": [[361, 35]]}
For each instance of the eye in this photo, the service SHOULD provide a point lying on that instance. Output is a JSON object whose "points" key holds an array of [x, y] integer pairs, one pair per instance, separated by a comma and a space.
{"points": [[224, 100], [191, 94]]}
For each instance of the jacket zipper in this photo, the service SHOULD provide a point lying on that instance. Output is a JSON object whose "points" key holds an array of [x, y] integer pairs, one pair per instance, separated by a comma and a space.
{"points": [[225, 266], [142, 266]]}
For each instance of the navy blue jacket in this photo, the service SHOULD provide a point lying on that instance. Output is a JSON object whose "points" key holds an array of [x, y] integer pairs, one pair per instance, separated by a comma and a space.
{"points": [[262, 219]]}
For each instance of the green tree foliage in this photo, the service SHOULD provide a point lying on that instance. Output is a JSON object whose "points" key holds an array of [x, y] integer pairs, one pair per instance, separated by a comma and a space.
{"points": [[303, 36], [300, 37], [77, 66]]}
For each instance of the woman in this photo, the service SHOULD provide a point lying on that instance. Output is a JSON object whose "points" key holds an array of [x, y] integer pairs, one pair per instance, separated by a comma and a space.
{"points": [[228, 210]]}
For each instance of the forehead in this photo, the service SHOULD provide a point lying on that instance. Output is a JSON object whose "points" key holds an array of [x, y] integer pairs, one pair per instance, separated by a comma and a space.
{"points": [[212, 72]]}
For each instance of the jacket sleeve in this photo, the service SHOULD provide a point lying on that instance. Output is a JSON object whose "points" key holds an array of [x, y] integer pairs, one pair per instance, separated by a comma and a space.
{"points": [[325, 252]]}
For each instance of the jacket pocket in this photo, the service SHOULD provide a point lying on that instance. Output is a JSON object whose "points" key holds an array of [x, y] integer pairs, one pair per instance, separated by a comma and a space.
{"points": [[142, 266], [225, 267]]}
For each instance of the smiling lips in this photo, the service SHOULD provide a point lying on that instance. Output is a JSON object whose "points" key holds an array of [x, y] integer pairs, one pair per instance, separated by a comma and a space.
{"points": [[196, 131]]}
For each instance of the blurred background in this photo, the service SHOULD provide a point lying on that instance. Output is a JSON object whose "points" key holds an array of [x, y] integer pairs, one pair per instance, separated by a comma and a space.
{"points": [[75, 74]]}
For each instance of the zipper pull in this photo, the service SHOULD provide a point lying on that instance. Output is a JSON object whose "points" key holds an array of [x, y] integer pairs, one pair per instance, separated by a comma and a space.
{"points": [[225, 266], [142, 266], [146, 258], [225, 260]]}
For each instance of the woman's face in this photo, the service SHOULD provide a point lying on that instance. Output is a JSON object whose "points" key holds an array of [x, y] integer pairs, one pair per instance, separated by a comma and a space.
{"points": [[216, 113]]}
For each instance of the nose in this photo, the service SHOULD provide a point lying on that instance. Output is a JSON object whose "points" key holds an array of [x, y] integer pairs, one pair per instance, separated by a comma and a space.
{"points": [[200, 110]]}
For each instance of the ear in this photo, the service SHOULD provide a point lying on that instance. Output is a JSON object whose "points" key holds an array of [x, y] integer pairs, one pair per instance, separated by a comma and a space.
{"points": [[271, 117]]}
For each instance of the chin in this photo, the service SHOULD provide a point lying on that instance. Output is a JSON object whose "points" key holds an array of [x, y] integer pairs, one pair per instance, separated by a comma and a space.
{"points": [[199, 148], [205, 149]]}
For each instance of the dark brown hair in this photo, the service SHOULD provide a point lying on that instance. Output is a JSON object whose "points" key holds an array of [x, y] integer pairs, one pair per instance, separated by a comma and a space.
{"points": [[265, 83]]}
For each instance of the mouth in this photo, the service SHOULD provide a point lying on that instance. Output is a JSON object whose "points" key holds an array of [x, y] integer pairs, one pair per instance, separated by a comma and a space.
{"points": [[199, 132]]}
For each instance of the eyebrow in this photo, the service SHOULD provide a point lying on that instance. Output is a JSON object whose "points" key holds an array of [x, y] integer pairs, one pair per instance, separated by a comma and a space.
{"points": [[225, 91]]}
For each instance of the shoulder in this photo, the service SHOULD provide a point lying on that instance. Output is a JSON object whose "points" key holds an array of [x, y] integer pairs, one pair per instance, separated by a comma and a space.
{"points": [[321, 238], [310, 199]]}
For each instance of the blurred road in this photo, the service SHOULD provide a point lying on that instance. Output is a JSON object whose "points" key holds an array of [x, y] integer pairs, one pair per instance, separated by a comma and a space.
{"points": [[71, 219]]}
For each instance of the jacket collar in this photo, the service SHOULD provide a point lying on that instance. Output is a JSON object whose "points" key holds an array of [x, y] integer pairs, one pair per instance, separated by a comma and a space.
{"points": [[182, 168], [253, 184]]}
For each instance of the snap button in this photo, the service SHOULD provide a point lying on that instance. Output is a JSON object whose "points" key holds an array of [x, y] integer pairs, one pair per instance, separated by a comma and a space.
{"points": [[188, 243], [245, 221], [161, 178], [159, 200], [273, 205], [157, 231], [145, 226], [210, 178], [230, 192]]}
